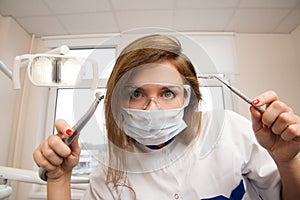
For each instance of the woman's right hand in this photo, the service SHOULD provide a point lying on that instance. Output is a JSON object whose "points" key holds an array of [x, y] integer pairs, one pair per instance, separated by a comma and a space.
{"points": [[55, 156]]}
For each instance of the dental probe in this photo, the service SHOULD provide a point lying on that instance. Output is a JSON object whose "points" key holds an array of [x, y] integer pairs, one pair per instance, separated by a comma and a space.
{"points": [[77, 128], [235, 91]]}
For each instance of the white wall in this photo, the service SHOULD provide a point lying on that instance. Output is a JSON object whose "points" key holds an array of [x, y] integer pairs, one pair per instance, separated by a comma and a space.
{"points": [[296, 42], [13, 41], [269, 62]]}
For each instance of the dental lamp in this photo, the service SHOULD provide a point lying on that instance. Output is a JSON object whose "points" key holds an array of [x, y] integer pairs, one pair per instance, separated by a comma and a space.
{"points": [[62, 50], [51, 69]]}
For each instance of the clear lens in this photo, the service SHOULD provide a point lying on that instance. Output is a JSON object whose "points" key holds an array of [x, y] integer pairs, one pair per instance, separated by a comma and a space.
{"points": [[155, 96]]}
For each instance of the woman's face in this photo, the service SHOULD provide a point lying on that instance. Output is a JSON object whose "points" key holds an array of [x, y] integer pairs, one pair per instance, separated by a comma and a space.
{"points": [[155, 86]]}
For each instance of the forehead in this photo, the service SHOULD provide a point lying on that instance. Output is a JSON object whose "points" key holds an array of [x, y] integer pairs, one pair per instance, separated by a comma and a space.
{"points": [[157, 73]]}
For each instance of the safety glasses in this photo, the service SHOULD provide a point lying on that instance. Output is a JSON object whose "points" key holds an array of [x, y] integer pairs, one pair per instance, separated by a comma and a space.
{"points": [[152, 95]]}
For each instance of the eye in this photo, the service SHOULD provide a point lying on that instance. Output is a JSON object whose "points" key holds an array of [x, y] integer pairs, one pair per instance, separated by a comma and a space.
{"points": [[168, 94], [136, 94]]}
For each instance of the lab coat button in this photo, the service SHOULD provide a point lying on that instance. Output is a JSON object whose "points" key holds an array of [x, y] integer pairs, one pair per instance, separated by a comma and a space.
{"points": [[176, 196]]}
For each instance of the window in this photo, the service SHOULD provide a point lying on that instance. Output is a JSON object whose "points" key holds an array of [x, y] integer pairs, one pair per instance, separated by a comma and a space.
{"points": [[215, 96], [71, 104]]}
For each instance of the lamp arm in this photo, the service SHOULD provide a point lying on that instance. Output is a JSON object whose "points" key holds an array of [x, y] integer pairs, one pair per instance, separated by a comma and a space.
{"points": [[5, 70], [16, 69]]}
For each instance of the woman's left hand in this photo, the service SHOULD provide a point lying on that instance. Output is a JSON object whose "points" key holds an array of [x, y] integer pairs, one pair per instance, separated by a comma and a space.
{"points": [[277, 129]]}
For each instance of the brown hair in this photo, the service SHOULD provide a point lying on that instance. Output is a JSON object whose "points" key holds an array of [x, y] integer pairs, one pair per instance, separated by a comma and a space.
{"points": [[148, 49]]}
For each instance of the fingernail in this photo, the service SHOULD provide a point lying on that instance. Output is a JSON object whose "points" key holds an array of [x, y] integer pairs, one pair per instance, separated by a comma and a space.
{"points": [[69, 132], [256, 101], [265, 126]]}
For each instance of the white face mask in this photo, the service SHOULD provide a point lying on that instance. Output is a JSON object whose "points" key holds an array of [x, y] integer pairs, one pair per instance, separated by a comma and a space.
{"points": [[153, 127]]}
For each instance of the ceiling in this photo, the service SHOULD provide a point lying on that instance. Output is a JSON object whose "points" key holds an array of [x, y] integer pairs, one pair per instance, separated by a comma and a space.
{"points": [[68, 17]]}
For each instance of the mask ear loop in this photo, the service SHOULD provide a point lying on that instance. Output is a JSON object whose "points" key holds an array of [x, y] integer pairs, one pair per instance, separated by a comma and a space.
{"points": [[148, 102]]}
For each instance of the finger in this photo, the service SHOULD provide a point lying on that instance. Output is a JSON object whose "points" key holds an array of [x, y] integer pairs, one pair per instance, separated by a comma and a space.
{"points": [[42, 161], [282, 122], [63, 128], [265, 98], [51, 155], [273, 112], [256, 119], [58, 146], [261, 101], [75, 146], [291, 132]]}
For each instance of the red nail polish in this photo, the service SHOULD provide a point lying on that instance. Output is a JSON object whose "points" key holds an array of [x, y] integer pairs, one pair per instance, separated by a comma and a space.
{"points": [[265, 126], [256, 101], [69, 132]]}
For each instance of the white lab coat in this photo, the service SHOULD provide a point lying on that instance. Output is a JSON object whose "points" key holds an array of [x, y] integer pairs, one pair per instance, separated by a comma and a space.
{"points": [[224, 162]]}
